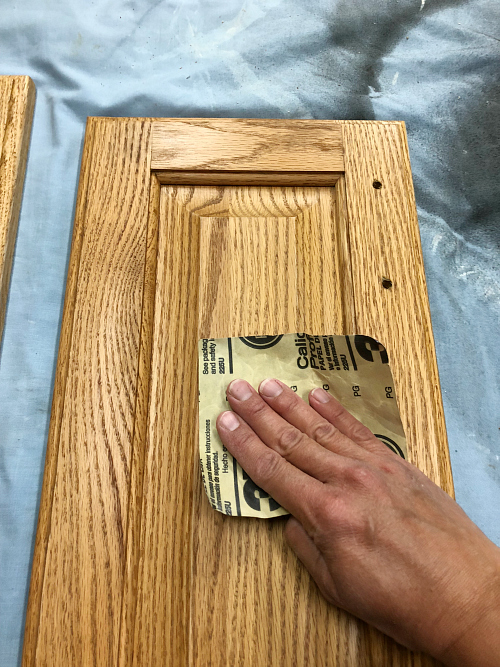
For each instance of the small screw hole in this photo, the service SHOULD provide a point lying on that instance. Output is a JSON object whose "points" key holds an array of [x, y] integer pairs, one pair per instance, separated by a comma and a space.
{"points": [[386, 283], [377, 185]]}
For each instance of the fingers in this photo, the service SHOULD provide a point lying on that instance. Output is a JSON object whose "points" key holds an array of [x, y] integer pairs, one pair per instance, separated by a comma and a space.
{"points": [[296, 491], [310, 420], [308, 553], [280, 434], [335, 413]]}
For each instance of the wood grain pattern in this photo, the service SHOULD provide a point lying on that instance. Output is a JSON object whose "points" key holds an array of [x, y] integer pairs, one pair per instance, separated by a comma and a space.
{"points": [[51, 457], [164, 577], [133, 549], [384, 220], [74, 610], [131, 565], [269, 262], [17, 102], [242, 144]]}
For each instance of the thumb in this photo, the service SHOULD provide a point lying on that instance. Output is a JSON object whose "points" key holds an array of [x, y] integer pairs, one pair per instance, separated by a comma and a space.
{"points": [[308, 553]]}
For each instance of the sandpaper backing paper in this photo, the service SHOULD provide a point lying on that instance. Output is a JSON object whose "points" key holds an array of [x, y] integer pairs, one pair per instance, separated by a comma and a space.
{"points": [[355, 369]]}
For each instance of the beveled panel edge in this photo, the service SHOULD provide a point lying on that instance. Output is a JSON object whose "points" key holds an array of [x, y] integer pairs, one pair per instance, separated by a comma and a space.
{"points": [[298, 178]]}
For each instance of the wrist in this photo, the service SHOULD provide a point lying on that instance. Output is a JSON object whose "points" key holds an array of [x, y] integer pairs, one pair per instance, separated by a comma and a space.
{"points": [[477, 643]]}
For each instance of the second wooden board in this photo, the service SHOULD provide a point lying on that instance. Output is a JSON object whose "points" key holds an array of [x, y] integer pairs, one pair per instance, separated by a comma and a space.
{"points": [[17, 101]]}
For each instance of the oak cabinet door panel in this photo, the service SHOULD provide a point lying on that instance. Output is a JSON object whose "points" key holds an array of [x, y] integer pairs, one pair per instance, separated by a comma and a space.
{"points": [[191, 228]]}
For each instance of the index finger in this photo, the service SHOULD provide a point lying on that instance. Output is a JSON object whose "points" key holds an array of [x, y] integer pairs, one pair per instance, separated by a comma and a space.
{"points": [[293, 489]]}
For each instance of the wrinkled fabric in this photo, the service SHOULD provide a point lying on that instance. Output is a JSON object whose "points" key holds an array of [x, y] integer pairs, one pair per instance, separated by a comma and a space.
{"points": [[431, 63]]}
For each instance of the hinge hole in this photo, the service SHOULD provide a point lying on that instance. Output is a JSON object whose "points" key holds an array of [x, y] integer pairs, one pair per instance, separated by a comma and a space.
{"points": [[386, 283], [377, 185]]}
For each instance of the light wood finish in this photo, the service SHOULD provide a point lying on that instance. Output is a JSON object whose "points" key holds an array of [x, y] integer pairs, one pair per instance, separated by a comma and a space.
{"points": [[242, 144], [17, 102], [384, 220], [79, 556], [271, 261], [132, 566]]}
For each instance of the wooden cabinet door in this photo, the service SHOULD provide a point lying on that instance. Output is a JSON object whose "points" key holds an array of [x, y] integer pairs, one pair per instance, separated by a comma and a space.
{"points": [[17, 102], [190, 228]]}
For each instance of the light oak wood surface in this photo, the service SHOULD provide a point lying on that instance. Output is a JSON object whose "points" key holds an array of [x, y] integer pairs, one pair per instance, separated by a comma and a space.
{"points": [[271, 261], [131, 565], [384, 243], [242, 144], [17, 102]]}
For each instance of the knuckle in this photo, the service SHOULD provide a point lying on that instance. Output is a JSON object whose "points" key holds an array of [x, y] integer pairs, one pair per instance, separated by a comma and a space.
{"points": [[256, 407], [288, 440], [324, 432], [243, 438], [287, 401], [329, 515], [361, 476], [338, 519], [360, 433], [267, 467], [391, 465]]}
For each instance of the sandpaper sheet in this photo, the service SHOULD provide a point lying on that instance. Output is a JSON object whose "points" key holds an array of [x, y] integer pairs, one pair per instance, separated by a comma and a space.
{"points": [[355, 369]]}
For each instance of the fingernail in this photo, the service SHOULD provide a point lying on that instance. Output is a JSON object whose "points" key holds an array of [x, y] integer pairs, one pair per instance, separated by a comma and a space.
{"points": [[270, 388], [240, 390], [229, 420], [321, 395]]}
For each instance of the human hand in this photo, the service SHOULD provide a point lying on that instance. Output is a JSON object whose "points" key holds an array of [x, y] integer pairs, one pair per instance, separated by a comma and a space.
{"points": [[379, 538]]}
